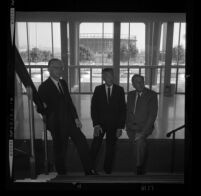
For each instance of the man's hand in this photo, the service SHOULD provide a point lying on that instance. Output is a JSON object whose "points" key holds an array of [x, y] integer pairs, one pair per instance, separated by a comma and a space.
{"points": [[118, 133], [78, 123], [97, 130], [132, 126], [139, 136], [45, 105]]}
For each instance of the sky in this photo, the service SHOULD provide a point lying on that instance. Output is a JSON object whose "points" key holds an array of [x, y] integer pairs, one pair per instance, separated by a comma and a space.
{"points": [[40, 33]]}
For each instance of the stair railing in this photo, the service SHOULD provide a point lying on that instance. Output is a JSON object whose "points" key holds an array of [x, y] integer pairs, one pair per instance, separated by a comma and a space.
{"points": [[173, 146], [32, 158]]}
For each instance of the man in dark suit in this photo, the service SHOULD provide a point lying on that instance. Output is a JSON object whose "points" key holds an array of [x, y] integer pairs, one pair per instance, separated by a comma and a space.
{"points": [[62, 119], [142, 108], [108, 113]]}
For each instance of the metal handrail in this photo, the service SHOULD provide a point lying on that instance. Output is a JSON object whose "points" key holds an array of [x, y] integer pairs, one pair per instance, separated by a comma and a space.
{"points": [[46, 161], [173, 146], [32, 157], [175, 130]]}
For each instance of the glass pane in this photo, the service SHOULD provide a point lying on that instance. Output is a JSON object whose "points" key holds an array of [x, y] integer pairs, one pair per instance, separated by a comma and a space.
{"points": [[137, 44], [21, 41], [36, 76], [124, 78], [74, 79], [108, 44], [56, 40], [181, 81], [45, 74], [156, 81], [83, 103], [173, 76], [96, 78], [178, 51], [162, 44], [40, 43], [132, 44], [124, 56], [68, 52], [85, 79], [90, 43], [183, 44], [96, 44]]}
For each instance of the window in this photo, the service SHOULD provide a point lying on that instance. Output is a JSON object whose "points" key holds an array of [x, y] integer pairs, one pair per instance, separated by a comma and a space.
{"points": [[162, 44], [37, 44], [132, 52], [179, 44], [132, 46], [96, 44], [178, 56], [95, 49]]}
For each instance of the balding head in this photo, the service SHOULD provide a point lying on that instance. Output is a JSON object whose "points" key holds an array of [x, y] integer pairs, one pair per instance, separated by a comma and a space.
{"points": [[138, 82]]}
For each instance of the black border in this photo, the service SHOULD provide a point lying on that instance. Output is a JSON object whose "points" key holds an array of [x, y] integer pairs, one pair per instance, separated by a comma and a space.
{"points": [[169, 6]]}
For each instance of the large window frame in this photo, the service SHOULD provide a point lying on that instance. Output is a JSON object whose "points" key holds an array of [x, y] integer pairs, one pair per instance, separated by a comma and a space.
{"points": [[69, 51]]}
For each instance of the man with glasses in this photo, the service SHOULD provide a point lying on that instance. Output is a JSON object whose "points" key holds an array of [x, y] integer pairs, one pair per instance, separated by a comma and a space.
{"points": [[62, 120], [142, 108]]}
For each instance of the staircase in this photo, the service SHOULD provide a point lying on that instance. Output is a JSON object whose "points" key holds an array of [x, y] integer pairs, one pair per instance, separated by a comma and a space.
{"points": [[123, 177], [158, 167]]}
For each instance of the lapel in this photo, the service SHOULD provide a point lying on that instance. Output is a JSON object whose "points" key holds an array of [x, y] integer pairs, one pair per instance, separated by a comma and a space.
{"points": [[53, 87], [104, 93], [113, 91], [63, 88], [132, 100]]}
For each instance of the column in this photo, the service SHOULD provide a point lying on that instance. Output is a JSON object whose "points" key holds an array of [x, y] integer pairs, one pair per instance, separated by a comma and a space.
{"points": [[116, 52]]}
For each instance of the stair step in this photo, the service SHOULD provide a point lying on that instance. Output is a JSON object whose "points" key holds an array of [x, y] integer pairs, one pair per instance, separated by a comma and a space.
{"points": [[120, 178]]}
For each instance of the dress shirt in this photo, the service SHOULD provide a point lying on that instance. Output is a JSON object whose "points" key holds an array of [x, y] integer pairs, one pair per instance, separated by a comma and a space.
{"points": [[56, 83]]}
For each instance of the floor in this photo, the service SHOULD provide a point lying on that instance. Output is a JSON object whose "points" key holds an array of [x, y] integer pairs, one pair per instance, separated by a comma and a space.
{"points": [[171, 114]]}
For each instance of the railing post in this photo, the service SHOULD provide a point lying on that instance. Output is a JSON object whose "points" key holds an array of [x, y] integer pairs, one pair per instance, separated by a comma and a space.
{"points": [[32, 133], [173, 152], [45, 145]]}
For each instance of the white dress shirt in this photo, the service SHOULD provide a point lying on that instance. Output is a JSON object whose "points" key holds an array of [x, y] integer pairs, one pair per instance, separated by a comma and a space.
{"points": [[106, 89], [137, 96], [56, 83]]}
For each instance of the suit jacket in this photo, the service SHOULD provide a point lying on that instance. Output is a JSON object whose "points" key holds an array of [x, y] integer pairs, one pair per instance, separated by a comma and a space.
{"points": [[146, 113], [112, 115], [60, 111]]}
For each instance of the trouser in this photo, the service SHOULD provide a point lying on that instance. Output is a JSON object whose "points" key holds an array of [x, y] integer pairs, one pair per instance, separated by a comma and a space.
{"points": [[139, 148], [110, 149], [60, 142]]}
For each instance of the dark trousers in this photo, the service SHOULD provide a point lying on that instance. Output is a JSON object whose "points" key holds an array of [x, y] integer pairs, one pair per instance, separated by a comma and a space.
{"points": [[60, 143], [110, 148]]}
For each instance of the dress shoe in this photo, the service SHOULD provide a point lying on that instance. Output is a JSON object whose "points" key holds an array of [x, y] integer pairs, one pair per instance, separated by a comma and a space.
{"points": [[91, 173]]}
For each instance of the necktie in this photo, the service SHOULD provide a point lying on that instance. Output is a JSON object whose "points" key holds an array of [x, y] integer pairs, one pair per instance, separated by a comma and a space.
{"points": [[136, 101], [108, 94], [60, 89]]}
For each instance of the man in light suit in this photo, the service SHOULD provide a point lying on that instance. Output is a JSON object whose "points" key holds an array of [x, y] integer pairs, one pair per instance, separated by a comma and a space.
{"points": [[108, 112], [62, 119], [142, 108]]}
